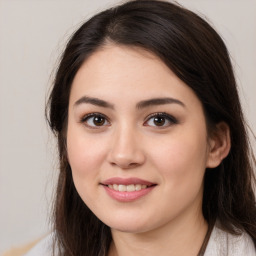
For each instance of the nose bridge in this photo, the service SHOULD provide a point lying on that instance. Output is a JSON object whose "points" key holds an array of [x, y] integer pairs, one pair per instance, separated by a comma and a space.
{"points": [[126, 149]]}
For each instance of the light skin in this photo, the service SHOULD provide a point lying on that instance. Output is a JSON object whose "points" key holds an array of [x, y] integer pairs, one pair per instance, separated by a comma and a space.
{"points": [[131, 116]]}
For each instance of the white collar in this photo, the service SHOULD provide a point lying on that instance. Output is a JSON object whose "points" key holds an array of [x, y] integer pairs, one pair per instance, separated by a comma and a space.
{"points": [[222, 243]]}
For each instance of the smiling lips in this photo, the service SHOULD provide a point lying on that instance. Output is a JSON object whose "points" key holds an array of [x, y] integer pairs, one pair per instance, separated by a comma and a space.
{"points": [[126, 190]]}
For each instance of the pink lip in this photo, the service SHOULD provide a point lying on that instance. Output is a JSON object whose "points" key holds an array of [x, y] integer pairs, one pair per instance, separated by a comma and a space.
{"points": [[126, 181], [125, 196]]}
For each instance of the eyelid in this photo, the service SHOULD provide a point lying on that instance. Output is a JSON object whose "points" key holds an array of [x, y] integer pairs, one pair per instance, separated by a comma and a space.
{"points": [[87, 116], [169, 117], [84, 117]]}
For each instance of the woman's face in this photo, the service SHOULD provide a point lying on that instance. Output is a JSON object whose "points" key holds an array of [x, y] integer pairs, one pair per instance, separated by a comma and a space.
{"points": [[136, 140]]}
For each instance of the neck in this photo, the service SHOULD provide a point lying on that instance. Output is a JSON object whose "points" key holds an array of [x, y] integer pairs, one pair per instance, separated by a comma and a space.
{"points": [[181, 237]]}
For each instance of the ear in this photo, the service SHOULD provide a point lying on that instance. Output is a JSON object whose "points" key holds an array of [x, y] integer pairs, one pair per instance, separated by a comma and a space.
{"points": [[219, 145]]}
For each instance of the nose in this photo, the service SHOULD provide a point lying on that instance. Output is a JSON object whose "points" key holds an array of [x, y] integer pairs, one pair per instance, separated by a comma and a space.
{"points": [[126, 149]]}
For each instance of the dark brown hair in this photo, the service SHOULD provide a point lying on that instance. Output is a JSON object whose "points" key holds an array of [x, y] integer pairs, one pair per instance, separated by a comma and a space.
{"points": [[193, 50]]}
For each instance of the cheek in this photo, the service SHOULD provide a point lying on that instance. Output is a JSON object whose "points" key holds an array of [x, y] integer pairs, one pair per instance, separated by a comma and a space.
{"points": [[85, 158], [182, 171], [85, 154], [182, 161]]}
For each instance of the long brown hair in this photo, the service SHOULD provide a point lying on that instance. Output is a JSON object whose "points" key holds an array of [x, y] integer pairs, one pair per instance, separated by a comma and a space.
{"points": [[193, 50]]}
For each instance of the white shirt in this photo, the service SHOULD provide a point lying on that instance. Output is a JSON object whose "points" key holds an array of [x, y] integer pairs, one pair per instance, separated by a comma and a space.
{"points": [[220, 243]]}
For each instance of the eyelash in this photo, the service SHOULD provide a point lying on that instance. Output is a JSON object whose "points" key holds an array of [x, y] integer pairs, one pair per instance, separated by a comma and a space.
{"points": [[172, 120], [85, 119]]}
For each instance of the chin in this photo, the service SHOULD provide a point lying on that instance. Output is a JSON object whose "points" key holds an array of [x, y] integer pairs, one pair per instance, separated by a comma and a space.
{"points": [[129, 229], [128, 226]]}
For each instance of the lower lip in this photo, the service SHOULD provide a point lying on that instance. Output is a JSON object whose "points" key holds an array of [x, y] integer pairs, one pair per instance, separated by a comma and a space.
{"points": [[127, 196]]}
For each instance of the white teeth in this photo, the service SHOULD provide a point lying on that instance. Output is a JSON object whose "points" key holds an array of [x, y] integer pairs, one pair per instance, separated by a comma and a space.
{"points": [[128, 188], [138, 187], [122, 188]]}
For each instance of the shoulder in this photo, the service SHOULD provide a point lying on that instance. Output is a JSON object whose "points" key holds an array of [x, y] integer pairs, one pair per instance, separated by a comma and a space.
{"points": [[43, 248], [223, 243]]}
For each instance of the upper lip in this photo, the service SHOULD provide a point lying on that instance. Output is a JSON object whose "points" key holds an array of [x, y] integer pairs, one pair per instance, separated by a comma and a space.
{"points": [[126, 181]]}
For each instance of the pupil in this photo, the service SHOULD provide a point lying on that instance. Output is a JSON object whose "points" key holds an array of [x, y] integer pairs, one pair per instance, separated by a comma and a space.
{"points": [[159, 121], [98, 120]]}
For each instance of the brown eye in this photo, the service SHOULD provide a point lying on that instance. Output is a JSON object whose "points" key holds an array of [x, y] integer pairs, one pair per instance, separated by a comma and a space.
{"points": [[95, 120], [161, 120], [99, 120]]}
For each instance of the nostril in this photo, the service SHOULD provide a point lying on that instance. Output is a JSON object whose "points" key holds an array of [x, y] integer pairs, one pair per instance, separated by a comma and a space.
{"points": [[125, 166], [133, 164]]}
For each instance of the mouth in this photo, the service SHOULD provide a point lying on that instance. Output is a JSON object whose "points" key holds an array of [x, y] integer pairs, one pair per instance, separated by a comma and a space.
{"points": [[127, 189]]}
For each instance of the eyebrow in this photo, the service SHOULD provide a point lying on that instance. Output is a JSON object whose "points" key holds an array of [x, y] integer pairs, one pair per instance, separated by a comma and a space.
{"points": [[158, 101], [139, 105], [94, 101]]}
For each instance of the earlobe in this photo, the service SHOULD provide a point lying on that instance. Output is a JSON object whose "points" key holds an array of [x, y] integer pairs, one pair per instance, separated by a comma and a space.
{"points": [[219, 145]]}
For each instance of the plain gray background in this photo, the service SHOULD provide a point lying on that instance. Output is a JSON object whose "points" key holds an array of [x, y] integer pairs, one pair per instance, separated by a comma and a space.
{"points": [[32, 36]]}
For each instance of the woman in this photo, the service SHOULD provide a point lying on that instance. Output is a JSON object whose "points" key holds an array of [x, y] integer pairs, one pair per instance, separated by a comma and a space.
{"points": [[154, 154]]}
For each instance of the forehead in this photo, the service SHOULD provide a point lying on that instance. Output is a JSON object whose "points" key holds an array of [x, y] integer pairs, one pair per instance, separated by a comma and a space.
{"points": [[129, 73]]}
